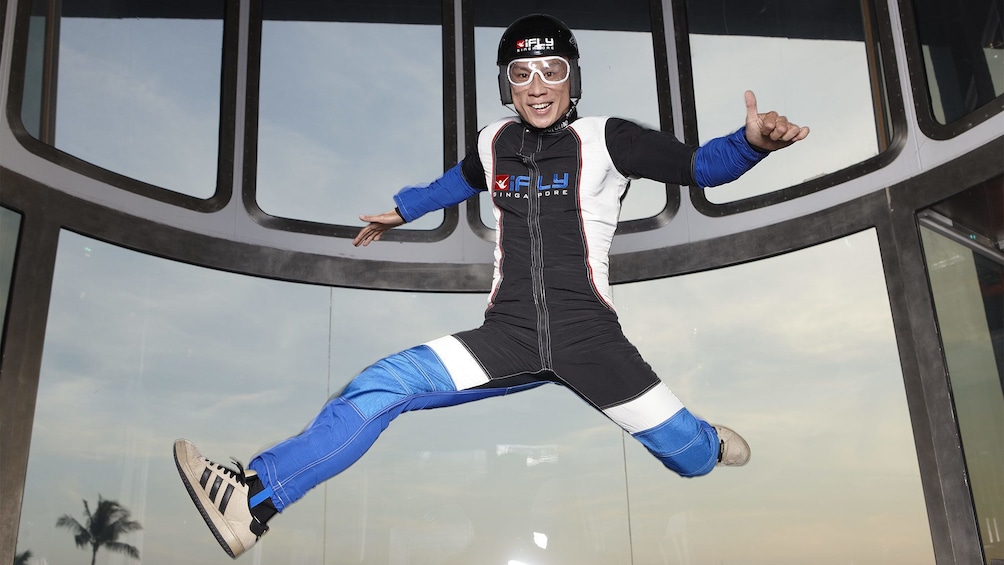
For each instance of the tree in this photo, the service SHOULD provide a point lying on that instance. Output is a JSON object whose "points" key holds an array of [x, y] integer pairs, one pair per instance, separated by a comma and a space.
{"points": [[102, 528], [23, 558]]}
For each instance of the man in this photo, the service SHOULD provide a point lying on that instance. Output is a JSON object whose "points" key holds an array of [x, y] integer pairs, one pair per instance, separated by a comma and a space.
{"points": [[556, 181]]}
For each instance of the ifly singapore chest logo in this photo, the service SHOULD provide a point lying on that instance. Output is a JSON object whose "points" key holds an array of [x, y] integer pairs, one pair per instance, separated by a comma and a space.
{"points": [[518, 186]]}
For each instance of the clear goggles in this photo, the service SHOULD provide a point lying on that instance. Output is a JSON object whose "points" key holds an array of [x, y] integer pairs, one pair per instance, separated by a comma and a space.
{"points": [[551, 70]]}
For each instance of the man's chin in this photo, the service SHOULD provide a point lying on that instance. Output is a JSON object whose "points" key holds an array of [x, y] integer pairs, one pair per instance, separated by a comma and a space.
{"points": [[541, 122]]}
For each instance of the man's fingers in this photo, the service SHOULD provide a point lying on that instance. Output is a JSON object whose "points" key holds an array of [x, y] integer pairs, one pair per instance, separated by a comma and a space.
{"points": [[769, 123], [366, 235], [751, 113], [360, 238], [780, 128], [792, 133]]}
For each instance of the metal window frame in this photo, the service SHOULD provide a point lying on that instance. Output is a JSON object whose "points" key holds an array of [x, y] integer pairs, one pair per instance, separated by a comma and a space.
{"points": [[45, 149], [923, 105], [451, 216], [887, 104]]}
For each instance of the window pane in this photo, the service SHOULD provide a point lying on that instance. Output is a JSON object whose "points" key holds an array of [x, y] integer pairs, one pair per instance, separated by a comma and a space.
{"points": [[349, 112], [141, 350], [618, 79], [963, 45], [968, 291], [141, 95], [798, 354], [792, 74], [10, 227]]}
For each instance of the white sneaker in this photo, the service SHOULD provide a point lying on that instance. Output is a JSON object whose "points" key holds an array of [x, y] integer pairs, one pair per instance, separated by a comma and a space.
{"points": [[733, 451], [221, 495]]}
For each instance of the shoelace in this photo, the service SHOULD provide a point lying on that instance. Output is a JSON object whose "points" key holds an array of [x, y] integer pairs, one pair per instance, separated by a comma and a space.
{"points": [[238, 475]]}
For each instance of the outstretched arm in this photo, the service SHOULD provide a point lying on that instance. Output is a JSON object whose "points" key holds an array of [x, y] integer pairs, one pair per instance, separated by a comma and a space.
{"points": [[770, 131], [724, 159], [415, 201]]}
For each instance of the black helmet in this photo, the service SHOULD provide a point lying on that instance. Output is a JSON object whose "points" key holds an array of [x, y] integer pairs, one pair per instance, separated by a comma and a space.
{"points": [[538, 35]]}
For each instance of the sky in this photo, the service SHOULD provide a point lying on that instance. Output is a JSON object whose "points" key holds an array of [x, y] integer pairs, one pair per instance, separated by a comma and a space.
{"points": [[796, 351]]}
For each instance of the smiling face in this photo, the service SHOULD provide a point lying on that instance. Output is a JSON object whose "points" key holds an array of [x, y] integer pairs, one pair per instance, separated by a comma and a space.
{"points": [[539, 104], [540, 89]]}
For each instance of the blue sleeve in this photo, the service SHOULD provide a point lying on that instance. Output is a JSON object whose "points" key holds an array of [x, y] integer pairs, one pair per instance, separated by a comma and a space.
{"points": [[448, 190], [724, 159]]}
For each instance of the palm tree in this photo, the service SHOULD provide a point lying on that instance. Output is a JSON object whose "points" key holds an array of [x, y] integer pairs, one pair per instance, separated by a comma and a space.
{"points": [[103, 528], [23, 558]]}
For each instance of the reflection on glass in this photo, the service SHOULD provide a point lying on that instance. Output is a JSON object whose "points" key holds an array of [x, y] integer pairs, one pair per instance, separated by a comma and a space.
{"points": [[618, 79], [798, 354], [10, 227], [795, 76], [963, 47], [349, 113], [967, 289], [141, 95], [31, 99]]}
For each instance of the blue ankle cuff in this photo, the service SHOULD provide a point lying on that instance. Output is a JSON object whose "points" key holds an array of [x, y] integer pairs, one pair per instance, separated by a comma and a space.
{"points": [[260, 497]]}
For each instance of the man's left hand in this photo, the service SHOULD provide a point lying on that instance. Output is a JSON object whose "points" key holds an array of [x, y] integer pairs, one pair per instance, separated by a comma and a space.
{"points": [[770, 131]]}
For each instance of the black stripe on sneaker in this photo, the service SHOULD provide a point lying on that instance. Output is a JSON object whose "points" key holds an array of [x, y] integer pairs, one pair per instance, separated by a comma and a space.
{"points": [[216, 488], [226, 498], [205, 477]]}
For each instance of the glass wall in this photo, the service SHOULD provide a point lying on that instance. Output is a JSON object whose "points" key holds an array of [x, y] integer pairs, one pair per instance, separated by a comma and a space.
{"points": [[827, 85], [968, 290], [350, 111], [137, 89], [797, 352], [618, 79], [10, 227], [963, 54]]}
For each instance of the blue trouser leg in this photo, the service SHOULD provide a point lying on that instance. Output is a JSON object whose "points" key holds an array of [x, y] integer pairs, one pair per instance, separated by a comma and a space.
{"points": [[656, 418], [683, 443], [347, 426]]}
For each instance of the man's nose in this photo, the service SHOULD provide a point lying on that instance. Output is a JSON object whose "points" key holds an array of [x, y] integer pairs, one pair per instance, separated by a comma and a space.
{"points": [[537, 86]]}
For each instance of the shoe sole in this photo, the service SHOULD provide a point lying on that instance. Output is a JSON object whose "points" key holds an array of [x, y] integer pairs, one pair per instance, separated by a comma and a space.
{"points": [[197, 496]]}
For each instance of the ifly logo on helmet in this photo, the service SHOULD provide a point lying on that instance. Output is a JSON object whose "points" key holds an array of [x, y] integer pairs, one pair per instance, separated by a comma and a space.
{"points": [[534, 44]]}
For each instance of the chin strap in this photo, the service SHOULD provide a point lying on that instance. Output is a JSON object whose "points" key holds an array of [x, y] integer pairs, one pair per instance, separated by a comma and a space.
{"points": [[563, 122]]}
